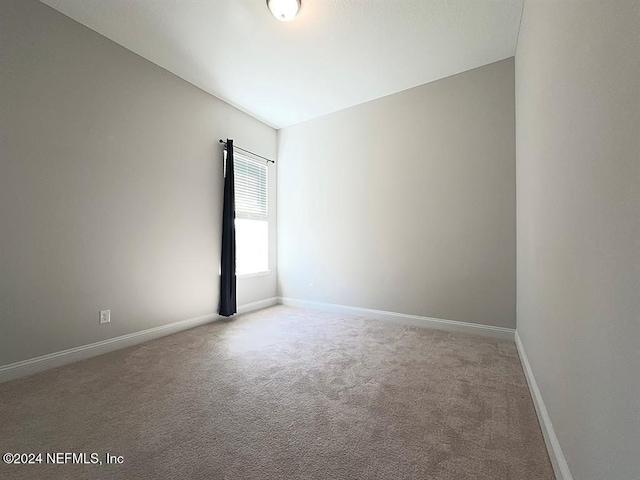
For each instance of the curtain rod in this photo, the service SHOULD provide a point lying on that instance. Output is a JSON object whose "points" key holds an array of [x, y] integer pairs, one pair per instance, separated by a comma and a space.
{"points": [[247, 151]]}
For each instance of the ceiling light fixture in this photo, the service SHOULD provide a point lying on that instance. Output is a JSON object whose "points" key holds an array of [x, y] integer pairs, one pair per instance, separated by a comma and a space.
{"points": [[284, 10]]}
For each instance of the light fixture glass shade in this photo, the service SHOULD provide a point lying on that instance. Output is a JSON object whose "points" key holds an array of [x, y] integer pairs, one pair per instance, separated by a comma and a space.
{"points": [[284, 10]]}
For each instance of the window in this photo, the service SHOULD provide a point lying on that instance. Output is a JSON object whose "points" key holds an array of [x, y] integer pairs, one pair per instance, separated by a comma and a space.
{"points": [[252, 225]]}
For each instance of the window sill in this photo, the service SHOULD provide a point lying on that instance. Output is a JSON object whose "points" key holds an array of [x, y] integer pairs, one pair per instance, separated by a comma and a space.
{"points": [[256, 274]]}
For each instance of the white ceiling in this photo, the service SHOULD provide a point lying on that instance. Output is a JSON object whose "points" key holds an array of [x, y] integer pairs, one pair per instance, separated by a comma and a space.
{"points": [[334, 54]]}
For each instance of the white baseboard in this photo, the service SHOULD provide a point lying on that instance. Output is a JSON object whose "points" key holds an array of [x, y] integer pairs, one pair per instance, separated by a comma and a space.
{"points": [[57, 359], [558, 461], [260, 304], [406, 319]]}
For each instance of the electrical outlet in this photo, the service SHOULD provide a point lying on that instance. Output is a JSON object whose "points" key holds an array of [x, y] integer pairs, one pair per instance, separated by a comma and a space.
{"points": [[105, 316], [311, 287]]}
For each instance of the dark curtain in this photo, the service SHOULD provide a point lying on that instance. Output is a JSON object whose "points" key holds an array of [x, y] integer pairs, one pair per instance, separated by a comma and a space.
{"points": [[228, 262]]}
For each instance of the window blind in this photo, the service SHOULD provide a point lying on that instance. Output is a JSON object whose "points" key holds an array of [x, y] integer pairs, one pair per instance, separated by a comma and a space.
{"points": [[251, 188]]}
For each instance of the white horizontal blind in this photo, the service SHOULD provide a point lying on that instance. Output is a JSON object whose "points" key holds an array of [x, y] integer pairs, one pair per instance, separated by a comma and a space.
{"points": [[251, 188]]}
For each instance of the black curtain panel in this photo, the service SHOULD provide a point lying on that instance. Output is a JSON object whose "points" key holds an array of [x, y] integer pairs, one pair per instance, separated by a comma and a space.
{"points": [[228, 262]]}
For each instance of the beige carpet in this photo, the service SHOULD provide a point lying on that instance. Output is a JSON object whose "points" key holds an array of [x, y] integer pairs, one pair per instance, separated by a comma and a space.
{"points": [[284, 393]]}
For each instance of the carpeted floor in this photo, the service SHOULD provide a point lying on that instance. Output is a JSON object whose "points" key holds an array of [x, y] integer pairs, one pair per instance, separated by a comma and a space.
{"points": [[284, 393]]}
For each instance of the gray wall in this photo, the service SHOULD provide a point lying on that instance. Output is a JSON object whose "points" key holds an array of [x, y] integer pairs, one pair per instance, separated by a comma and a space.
{"points": [[406, 203], [578, 182], [110, 188]]}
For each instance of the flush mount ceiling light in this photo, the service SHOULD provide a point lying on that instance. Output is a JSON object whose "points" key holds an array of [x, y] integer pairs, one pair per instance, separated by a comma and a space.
{"points": [[284, 10]]}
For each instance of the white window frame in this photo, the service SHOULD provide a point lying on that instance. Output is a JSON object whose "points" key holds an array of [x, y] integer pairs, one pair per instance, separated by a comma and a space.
{"points": [[267, 219]]}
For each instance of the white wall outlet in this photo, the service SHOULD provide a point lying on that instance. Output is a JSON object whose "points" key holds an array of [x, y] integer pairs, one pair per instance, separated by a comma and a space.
{"points": [[105, 316], [311, 287]]}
